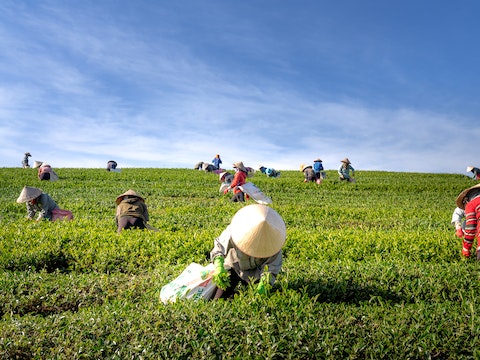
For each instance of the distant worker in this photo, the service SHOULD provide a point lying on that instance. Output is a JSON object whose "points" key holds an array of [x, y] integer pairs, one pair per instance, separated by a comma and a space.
{"points": [[308, 173], [131, 212], [25, 160], [239, 179], [45, 171], [475, 171], [346, 171], [469, 200], [270, 172], [249, 250], [111, 165], [458, 220], [217, 162], [318, 168]]}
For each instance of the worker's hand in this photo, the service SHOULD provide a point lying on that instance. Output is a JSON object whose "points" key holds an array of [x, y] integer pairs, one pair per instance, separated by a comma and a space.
{"points": [[459, 232], [221, 277], [264, 286], [226, 190]]}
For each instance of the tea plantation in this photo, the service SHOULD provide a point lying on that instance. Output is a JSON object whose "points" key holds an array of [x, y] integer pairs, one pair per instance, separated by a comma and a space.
{"points": [[372, 270]]}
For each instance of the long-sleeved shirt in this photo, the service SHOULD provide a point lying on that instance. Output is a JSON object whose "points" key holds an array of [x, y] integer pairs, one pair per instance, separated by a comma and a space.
{"points": [[216, 162], [345, 171], [458, 216], [239, 179], [244, 265], [132, 207], [43, 206], [472, 215]]}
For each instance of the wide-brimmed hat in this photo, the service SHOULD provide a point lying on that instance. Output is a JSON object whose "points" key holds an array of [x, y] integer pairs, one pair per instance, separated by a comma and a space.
{"points": [[469, 168], [37, 164], [462, 196], [317, 159], [239, 165], [128, 193], [258, 231], [28, 193], [346, 161], [222, 175], [303, 167]]}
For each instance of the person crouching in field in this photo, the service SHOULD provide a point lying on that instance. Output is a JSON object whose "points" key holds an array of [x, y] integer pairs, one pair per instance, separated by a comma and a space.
{"points": [[249, 249], [45, 171], [469, 200], [131, 212], [38, 203], [309, 174], [346, 171], [239, 179]]}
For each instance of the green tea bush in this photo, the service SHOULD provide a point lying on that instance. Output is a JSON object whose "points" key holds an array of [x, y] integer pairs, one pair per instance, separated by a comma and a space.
{"points": [[371, 269]]}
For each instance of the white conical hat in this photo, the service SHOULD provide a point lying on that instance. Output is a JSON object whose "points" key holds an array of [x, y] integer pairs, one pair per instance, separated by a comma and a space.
{"points": [[28, 193], [469, 168], [258, 230], [37, 164], [128, 193]]}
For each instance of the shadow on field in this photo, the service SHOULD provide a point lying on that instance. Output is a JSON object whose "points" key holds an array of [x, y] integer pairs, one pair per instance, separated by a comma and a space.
{"points": [[346, 291]]}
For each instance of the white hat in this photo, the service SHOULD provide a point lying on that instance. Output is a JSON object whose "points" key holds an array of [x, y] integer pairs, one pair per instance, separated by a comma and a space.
{"points": [[28, 193], [258, 231], [469, 168], [37, 164]]}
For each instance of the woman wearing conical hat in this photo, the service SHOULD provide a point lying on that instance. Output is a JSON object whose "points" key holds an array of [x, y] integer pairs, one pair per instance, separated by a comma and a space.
{"points": [[239, 179], [131, 212], [249, 249], [346, 171], [38, 203], [469, 200], [308, 173]]}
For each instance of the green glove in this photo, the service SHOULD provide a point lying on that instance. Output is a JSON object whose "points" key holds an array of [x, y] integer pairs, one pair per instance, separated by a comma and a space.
{"points": [[221, 277], [264, 284]]}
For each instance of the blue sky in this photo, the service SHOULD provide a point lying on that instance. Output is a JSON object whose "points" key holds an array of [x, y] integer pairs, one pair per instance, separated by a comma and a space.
{"points": [[392, 85]]}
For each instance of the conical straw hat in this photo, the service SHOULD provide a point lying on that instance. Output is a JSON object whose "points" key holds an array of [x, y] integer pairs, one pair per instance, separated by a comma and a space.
{"points": [[240, 166], [28, 193], [469, 168], [37, 164], [129, 193], [462, 195], [346, 161], [258, 231]]}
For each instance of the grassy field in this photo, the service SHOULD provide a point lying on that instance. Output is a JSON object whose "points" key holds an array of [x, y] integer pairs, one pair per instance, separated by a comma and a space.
{"points": [[372, 270]]}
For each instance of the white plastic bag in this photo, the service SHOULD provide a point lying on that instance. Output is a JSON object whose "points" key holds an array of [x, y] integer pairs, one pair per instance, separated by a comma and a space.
{"points": [[255, 193], [195, 282]]}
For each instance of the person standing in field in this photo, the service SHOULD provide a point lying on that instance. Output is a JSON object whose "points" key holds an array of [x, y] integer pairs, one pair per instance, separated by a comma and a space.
{"points": [[469, 200], [38, 203], [239, 179], [346, 171], [132, 212], [25, 160], [318, 168], [249, 249], [475, 171], [217, 162]]}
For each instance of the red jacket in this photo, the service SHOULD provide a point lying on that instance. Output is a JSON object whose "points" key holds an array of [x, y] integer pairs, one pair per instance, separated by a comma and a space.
{"points": [[238, 180], [472, 217]]}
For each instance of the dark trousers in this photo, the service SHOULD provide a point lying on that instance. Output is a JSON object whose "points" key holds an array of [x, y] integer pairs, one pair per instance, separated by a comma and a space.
{"points": [[238, 197], [129, 222]]}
